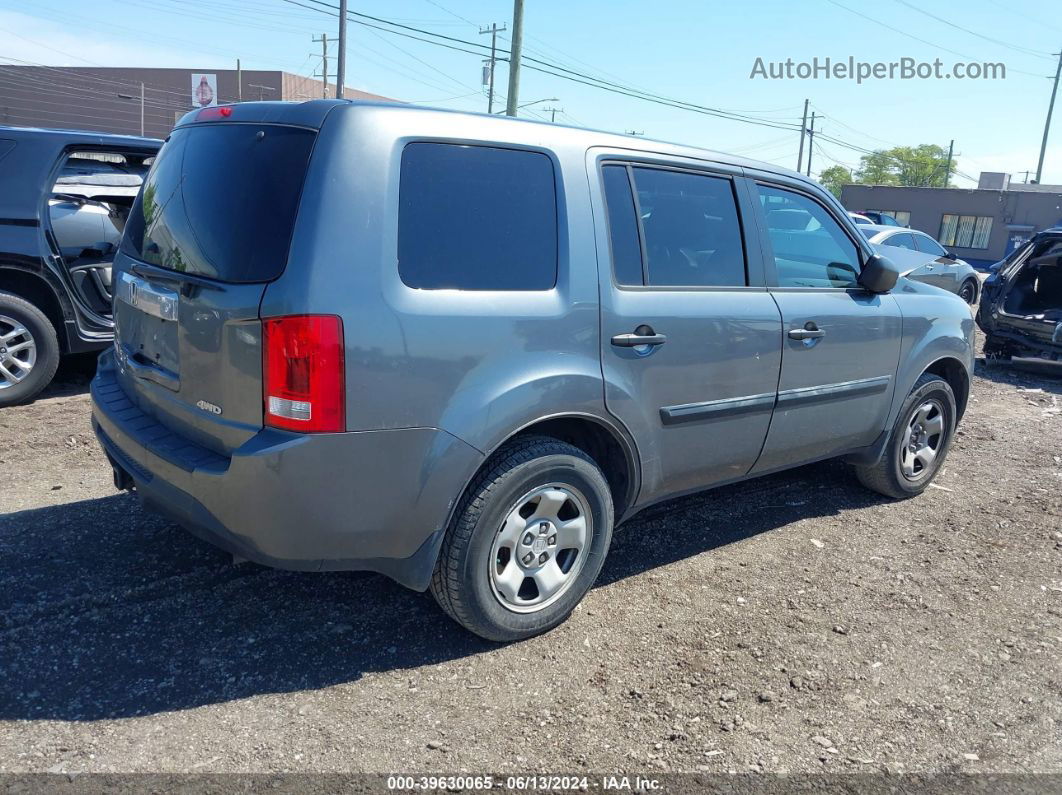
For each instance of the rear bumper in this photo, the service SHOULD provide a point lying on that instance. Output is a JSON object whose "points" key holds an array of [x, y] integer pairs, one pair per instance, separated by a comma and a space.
{"points": [[369, 500]]}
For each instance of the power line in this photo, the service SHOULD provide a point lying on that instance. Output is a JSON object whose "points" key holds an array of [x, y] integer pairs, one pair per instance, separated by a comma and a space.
{"points": [[933, 44], [558, 71], [1000, 42]]}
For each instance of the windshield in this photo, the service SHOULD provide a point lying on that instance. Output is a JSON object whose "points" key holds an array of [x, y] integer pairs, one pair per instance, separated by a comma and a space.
{"points": [[220, 201]]}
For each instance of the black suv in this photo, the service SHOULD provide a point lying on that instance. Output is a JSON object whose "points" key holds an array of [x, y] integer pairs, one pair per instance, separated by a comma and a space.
{"points": [[62, 211]]}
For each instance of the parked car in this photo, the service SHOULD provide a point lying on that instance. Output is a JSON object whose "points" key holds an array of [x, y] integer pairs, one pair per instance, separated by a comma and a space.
{"points": [[462, 362], [923, 259], [1021, 309], [880, 218], [859, 218], [65, 200]]}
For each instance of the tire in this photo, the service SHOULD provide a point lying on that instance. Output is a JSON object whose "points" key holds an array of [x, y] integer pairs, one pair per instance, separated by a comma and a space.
{"points": [[534, 489], [888, 476], [968, 292], [37, 346]]}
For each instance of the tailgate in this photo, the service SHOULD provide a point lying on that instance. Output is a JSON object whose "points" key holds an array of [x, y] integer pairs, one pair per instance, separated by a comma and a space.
{"points": [[208, 232]]}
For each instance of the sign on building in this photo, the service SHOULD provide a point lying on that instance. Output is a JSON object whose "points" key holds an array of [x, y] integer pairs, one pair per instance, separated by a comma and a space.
{"points": [[204, 90]]}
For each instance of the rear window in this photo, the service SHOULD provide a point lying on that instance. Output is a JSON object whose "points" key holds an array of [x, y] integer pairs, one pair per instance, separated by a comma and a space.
{"points": [[476, 218], [220, 201]]}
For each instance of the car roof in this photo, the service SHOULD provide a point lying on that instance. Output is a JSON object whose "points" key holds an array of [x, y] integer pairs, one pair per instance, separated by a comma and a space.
{"points": [[313, 112], [86, 137]]}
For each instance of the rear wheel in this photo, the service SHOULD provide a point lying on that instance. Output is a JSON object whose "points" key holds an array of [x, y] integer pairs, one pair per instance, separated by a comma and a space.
{"points": [[527, 542], [29, 350], [968, 292], [919, 442]]}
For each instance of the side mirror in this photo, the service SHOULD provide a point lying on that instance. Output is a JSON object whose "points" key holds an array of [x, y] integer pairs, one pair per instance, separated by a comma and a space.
{"points": [[879, 274]]}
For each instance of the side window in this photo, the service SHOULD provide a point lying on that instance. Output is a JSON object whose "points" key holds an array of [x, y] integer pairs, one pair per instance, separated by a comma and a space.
{"points": [[691, 228], [928, 245], [901, 240], [810, 247], [622, 226], [476, 218]]}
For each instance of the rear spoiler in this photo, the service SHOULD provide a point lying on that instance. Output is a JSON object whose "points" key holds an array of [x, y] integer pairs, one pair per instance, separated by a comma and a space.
{"points": [[300, 114]]}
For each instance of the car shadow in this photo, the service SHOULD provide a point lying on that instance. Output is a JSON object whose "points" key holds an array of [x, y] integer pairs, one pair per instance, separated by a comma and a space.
{"points": [[1004, 372], [72, 377], [107, 611]]}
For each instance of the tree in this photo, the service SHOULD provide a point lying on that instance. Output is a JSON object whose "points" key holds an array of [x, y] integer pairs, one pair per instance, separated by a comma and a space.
{"points": [[834, 177], [918, 167]]}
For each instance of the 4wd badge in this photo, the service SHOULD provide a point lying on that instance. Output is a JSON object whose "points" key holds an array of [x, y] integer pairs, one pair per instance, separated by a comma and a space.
{"points": [[205, 406]]}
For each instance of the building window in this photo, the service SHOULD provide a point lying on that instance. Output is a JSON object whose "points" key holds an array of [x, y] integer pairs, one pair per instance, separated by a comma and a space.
{"points": [[965, 231], [903, 217]]}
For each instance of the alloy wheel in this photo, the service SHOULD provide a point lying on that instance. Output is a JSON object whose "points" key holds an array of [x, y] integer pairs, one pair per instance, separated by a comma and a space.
{"points": [[18, 352], [540, 548]]}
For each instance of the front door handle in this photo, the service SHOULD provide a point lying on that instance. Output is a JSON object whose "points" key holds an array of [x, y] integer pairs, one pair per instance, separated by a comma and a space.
{"points": [[809, 332], [634, 340]]}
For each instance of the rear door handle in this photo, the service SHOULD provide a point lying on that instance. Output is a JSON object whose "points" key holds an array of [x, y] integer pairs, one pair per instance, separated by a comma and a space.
{"points": [[634, 340], [809, 332]]}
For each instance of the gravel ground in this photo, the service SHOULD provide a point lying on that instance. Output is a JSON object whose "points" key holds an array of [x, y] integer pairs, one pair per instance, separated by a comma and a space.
{"points": [[794, 623]]}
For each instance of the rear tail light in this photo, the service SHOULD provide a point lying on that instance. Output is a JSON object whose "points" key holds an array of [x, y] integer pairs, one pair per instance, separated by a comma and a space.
{"points": [[303, 373]]}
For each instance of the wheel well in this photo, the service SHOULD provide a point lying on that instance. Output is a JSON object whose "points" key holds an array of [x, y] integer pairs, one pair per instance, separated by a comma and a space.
{"points": [[952, 371], [602, 444], [39, 293]]}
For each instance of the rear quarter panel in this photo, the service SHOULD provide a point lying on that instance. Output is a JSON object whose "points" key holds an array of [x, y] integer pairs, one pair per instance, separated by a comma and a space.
{"points": [[477, 364]]}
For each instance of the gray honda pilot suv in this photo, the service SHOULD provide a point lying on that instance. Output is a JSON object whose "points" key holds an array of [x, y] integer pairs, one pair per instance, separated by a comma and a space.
{"points": [[459, 349]]}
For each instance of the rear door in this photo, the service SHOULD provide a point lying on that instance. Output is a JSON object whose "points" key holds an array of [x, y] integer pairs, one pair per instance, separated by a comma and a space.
{"points": [[209, 230], [691, 340], [841, 344]]}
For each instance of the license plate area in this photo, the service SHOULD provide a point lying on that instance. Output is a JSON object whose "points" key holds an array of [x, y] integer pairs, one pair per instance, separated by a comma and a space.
{"points": [[146, 330]]}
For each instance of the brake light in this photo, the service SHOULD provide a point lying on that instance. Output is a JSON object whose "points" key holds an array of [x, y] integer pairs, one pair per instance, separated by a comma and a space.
{"points": [[303, 373], [215, 112]]}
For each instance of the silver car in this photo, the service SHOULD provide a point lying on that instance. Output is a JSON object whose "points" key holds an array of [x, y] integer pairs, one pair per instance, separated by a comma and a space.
{"points": [[923, 259], [459, 349]]}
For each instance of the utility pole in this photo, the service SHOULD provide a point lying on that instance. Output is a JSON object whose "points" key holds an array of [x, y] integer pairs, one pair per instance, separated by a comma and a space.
{"points": [[341, 67], [493, 31], [811, 141], [514, 58], [239, 82], [323, 41], [553, 113], [1047, 124], [947, 166], [803, 134]]}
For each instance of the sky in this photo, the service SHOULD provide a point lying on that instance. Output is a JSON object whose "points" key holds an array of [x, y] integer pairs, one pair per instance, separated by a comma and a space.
{"points": [[701, 53]]}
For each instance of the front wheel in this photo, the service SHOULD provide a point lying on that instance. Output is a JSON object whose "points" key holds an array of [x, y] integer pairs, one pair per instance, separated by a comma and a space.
{"points": [[968, 292], [527, 541], [919, 442]]}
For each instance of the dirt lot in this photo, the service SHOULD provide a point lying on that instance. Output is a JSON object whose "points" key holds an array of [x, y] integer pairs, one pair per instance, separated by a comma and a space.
{"points": [[794, 623]]}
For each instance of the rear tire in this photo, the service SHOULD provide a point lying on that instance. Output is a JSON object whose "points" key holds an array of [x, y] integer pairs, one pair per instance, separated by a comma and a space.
{"points": [[905, 468], [968, 292], [514, 562], [29, 350]]}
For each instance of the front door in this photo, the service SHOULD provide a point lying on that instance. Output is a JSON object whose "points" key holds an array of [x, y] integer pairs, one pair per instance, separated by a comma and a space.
{"points": [[841, 344], [690, 338]]}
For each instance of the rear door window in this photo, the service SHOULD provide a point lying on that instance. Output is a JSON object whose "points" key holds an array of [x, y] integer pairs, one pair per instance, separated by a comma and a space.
{"points": [[901, 240], [689, 226], [477, 218], [220, 201]]}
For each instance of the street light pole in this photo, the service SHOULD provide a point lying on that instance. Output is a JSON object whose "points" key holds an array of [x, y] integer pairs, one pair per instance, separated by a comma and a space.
{"points": [[1047, 124], [130, 96]]}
